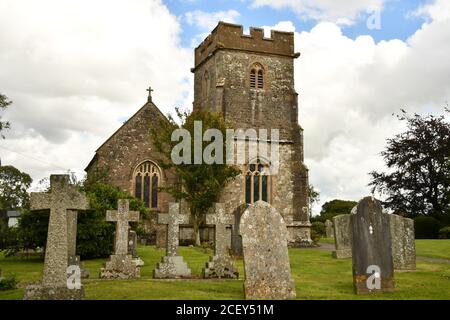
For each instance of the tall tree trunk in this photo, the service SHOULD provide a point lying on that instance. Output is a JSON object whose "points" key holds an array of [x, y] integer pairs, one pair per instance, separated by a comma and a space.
{"points": [[196, 235]]}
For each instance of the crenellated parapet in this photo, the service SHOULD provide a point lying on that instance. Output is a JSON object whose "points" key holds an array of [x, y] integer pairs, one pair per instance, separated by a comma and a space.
{"points": [[231, 36]]}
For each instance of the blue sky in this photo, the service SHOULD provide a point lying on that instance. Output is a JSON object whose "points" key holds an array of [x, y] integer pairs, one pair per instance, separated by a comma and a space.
{"points": [[396, 19]]}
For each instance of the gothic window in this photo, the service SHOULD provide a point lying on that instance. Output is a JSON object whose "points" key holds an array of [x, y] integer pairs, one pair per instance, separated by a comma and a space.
{"points": [[257, 76], [206, 84], [257, 181], [146, 182]]}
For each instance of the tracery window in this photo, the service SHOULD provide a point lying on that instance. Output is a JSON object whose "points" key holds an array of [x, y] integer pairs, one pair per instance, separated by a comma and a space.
{"points": [[257, 183], [146, 182]]}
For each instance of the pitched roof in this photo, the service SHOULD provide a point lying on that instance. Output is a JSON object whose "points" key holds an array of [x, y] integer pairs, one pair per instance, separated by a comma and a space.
{"points": [[149, 104]]}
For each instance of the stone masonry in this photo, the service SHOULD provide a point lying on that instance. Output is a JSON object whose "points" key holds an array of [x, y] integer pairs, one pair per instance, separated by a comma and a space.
{"points": [[222, 83], [62, 197], [220, 265], [403, 243], [266, 258], [121, 265], [373, 267], [172, 265]]}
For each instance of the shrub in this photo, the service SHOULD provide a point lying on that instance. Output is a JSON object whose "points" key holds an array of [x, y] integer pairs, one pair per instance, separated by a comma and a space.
{"points": [[318, 227], [8, 283], [426, 227], [315, 236], [444, 233]]}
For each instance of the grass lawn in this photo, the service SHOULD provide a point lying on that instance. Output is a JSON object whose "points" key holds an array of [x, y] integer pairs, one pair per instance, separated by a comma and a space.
{"points": [[317, 276]]}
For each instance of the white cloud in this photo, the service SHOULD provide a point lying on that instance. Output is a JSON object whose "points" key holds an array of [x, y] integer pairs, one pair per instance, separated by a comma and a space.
{"points": [[348, 90], [209, 20], [438, 10], [343, 12], [76, 69]]}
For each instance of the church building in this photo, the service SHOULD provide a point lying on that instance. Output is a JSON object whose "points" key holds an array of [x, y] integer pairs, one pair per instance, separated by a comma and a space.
{"points": [[250, 80]]}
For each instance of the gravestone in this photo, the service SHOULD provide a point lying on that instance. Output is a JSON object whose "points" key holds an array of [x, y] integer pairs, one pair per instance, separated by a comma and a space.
{"points": [[329, 229], [220, 265], [121, 265], [236, 240], [55, 283], [266, 259], [373, 268], [132, 244], [132, 247], [342, 236], [172, 265], [73, 258], [403, 245]]}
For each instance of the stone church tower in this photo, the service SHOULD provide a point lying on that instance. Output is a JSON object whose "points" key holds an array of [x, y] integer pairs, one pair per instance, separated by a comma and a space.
{"points": [[250, 80]]}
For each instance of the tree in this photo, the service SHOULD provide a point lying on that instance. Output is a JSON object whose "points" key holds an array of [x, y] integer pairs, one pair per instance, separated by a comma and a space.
{"points": [[313, 196], [200, 185], [333, 208], [4, 103], [13, 188], [418, 180]]}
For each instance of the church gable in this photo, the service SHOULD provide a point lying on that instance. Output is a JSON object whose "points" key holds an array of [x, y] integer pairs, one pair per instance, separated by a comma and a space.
{"points": [[128, 148]]}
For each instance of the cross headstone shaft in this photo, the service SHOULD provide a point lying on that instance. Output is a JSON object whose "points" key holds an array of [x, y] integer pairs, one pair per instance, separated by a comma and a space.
{"points": [[62, 197], [173, 221], [220, 220], [122, 216]]}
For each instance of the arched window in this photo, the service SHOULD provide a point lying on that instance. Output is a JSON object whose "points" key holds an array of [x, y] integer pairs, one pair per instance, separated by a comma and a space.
{"points": [[257, 76], [206, 84], [146, 182], [257, 182]]}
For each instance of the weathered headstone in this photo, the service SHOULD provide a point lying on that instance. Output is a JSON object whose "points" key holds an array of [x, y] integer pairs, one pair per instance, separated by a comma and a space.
{"points": [[402, 240], [62, 197], [132, 247], [132, 244], [342, 236], [121, 265], [329, 229], [403, 245], [236, 240], [172, 265], [220, 265], [373, 268], [73, 258], [266, 259]]}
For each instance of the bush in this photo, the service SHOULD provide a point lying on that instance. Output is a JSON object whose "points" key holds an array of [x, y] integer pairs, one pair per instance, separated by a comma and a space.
{"points": [[318, 227], [426, 227], [315, 236], [8, 283], [444, 233]]}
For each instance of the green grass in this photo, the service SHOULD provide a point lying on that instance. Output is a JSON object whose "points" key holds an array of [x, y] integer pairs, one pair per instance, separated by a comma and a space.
{"points": [[433, 248], [317, 276]]}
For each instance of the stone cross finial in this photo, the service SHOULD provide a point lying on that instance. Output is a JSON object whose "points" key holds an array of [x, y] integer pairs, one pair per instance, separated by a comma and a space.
{"points": [[122, 216], [173, 220], [150, 90], [62, 197], [220, 220]]}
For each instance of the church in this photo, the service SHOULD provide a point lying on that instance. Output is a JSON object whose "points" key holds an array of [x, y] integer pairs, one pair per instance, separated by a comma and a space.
{"points": [[249, 78]]}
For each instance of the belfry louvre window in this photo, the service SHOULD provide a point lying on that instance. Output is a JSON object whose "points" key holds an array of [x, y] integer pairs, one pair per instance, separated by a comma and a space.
{"points": [[257, 76], [257, 182], [146, 179]]}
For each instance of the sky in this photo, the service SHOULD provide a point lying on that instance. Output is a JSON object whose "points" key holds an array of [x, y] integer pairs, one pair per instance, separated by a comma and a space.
{"points": [[76, 70]]}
